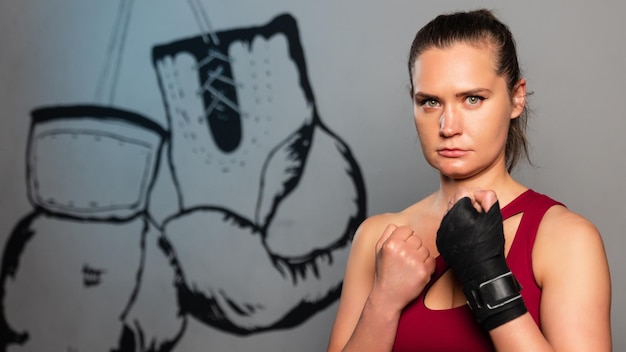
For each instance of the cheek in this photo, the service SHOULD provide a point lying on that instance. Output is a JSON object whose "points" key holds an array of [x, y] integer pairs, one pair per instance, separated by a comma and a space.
{"points": [[427, 122], [491, 134], [427, 132], [420, 126]]}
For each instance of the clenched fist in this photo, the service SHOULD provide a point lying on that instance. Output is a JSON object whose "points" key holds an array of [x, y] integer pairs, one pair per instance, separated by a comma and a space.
{"points": [[471, 241], [403, 265]]}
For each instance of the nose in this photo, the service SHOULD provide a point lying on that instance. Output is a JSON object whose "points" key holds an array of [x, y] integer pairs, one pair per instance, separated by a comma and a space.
{"points": [[450, 123]]}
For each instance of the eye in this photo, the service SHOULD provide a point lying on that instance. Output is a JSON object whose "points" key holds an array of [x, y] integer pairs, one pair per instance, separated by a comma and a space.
{"points": [[431, 103], [428, 103], [474, 99]]}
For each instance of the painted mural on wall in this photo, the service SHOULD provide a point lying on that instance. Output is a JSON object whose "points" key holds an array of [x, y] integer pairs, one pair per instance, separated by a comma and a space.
{"points": [[268, 199]]}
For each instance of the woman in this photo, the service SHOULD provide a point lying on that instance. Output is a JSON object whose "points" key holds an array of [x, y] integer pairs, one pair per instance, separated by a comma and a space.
{"points": [[417, 280]]}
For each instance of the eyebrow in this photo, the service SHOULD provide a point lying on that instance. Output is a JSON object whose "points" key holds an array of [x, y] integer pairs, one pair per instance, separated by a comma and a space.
{"points": [[466, 93], [420, 95], [474, 92]]}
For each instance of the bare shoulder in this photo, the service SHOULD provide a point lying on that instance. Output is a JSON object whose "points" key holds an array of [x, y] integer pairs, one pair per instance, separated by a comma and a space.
{"points": [[363, 248], [372, 228], [560, 224], [571, 267], [563, 238]]}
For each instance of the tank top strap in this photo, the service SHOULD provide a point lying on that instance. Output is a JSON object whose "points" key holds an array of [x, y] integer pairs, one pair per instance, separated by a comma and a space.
{"points": [[534, 205], [519, 204]]}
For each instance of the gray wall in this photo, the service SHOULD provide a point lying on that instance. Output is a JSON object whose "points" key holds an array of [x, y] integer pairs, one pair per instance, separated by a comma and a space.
{"points": [[54, 52]]}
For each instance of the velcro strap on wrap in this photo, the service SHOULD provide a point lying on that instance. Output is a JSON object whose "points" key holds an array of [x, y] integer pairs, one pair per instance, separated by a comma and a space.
{"points": [[495, 293]]}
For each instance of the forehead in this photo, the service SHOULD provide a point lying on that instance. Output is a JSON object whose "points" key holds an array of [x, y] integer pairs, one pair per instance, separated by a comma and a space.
{"points": [[463, 65]]}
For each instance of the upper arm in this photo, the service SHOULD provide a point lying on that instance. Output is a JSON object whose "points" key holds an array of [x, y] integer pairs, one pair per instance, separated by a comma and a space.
{"points": [[358, 280], [571, 267]]}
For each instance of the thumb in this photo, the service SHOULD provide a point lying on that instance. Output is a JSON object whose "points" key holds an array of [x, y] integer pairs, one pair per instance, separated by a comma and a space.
{"points": [[385, 236], [485, 199]]}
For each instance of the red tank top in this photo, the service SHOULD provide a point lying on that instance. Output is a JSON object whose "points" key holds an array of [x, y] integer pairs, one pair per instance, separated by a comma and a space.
{"points": [[423, 329]]}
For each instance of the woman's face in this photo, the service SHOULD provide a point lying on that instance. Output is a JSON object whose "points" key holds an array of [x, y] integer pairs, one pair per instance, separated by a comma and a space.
{"points": [[462, 109]]}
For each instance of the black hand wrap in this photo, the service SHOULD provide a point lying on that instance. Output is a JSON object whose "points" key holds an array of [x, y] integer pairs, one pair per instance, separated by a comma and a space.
{"points": [[472, 243]]}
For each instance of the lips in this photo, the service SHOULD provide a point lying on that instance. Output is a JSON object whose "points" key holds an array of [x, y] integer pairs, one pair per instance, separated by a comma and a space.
{"points": [[452, 152]]}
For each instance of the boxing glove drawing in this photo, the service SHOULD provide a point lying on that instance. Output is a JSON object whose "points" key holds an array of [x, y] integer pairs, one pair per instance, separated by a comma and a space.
{"points": [[79, 271], [269, 195]]}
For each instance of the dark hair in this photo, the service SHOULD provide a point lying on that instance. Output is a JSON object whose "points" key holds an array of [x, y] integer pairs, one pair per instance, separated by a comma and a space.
{"points": [[479, 27]]}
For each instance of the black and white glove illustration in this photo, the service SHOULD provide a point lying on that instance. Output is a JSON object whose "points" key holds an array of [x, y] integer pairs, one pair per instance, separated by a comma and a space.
{"points": [[79, 270], [268, 200], [269, 196]]}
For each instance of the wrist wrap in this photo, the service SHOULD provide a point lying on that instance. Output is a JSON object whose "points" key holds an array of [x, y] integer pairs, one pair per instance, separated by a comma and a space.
{"points": [[472, 244]]}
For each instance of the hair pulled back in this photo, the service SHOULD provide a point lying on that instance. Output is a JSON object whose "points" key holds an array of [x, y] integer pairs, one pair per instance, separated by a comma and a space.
{"points": [[479, 28]]}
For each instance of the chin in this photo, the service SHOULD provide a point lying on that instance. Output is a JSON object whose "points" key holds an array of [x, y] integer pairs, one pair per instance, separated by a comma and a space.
{"points": [[457, 173]]}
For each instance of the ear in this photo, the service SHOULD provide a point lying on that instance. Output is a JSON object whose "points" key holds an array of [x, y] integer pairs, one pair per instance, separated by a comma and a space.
{"points": [[519, 98]]}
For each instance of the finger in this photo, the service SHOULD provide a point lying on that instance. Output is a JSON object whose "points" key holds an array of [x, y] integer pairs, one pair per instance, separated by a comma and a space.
{"points": [[430, 264], [460, 194], [403, 233], [485, 199], [463, 192], [423, 253], [415, 241], [385, 236]]}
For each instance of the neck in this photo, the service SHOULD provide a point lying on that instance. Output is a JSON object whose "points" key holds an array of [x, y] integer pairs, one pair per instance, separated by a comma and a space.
{"points": [[500, 181]]}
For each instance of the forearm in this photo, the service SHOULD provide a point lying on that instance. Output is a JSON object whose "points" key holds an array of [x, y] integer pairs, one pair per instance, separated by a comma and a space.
{"points": [[520, 334], [376, 328]]}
